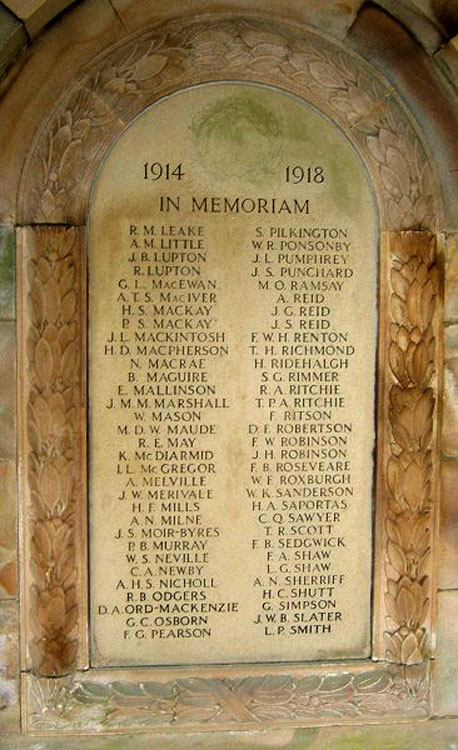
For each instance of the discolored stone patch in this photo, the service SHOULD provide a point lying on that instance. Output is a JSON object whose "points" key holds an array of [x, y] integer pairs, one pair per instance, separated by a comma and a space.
{"points": [[446, 669], [9, 669], [448, 538], [7, 390], [451, 278], [7, 274], [8, 530], [450, 414]]}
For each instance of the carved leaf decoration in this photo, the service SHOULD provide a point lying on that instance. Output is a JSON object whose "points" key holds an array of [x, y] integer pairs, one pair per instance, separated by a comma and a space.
{"points": [[372, 682], [326, 75], [361, 102], [36, 308], [274, 713], [410, 466], [342, 101], [253, 37], [197, 692], [397, 558], [400, 284], [67, 279], [43, 360], [418, 364], [333, 683], [399, 310], [398, 166], [394, 531], [397, 360], [124, 705], [53, 460], [68, 165], [394, 476], [413, 301], [128, 78], [410, 653], [402, 428], [263, 64], [415, 486], [148, 67], [91, 692], [423, 418], [69, 362], [428, 297], [50, 486], [391, 182], [42, 545], [51, 609], [68, 306], [275, 690], [198, 714]]}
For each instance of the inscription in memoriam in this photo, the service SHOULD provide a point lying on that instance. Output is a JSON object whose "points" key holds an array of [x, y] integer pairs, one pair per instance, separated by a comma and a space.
{"points": [[232, 346]]}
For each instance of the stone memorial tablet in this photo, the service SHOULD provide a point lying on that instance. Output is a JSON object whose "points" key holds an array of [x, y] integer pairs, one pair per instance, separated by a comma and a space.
{"points": [[232, 347], [230, 239]]}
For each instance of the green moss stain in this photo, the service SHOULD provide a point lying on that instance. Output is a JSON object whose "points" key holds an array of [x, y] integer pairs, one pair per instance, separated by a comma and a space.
{"points": [[7, 272], [239, 137], [250, 134], [372, 738], [303, 739], [228, 118]]}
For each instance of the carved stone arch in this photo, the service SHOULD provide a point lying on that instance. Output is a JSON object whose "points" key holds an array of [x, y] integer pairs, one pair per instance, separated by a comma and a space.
{"points": [[59, 170], [123, 80]]}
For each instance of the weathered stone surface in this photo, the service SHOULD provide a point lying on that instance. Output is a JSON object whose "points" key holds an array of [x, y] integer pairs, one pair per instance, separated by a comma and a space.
{"points": [[420, 84], [450, 416], [447, 60], [451, 278], [6, 272], [333, 16], [58, 55], [423, 25], [12, 38], [8, 531], [7, 390], [440, 735], [37, 13], [242, 308], [448, 546], [446, 671], [9, 669]]}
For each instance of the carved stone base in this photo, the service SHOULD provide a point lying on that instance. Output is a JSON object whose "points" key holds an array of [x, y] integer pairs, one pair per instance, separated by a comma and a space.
{"points": [[233, 698]]}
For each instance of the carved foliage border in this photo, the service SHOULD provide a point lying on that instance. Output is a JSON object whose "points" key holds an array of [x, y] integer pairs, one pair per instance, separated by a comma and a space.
{"points": [[410, 470], [124, 80], [53, 436], [319, 696]]}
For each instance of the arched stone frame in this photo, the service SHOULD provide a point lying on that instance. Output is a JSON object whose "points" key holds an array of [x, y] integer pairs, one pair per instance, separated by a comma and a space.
{"points": [[52, 210]]}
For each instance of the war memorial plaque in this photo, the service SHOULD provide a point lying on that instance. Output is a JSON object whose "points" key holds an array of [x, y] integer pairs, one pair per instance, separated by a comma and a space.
{"points": [[229, 357], [233, 240]]}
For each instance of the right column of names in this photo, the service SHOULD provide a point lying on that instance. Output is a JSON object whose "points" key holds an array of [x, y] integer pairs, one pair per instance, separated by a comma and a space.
{"points": [[300, 483]]}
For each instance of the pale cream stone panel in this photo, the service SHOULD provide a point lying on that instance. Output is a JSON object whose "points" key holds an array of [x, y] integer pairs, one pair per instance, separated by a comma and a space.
{"points": [[446, 683], [230, 482], [448, 544]]}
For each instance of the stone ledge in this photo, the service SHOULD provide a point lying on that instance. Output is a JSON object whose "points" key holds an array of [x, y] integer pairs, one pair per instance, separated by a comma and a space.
{"points": [[13, 39], [36, 13], [438, 734]]}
